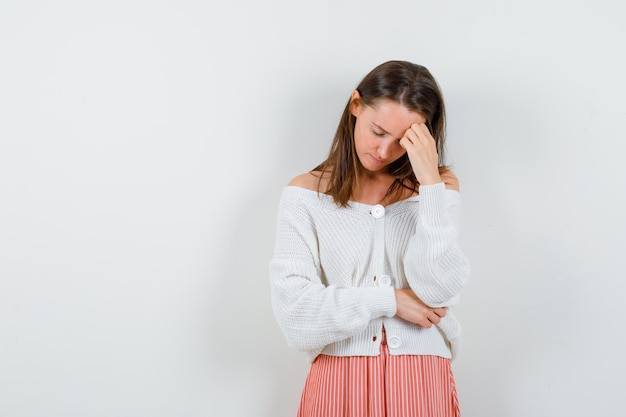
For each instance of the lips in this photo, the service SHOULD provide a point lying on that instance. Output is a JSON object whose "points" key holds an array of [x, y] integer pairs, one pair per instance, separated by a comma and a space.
{"points": [[376, 160]]}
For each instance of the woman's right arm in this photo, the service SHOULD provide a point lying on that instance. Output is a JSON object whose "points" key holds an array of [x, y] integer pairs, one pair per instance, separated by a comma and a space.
{"points": [[411, 308], [311, 314]]}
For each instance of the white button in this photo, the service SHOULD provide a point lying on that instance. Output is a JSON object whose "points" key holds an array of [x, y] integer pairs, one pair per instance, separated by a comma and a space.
{"points": [[378, 211], [384, 281], [394, 342]]}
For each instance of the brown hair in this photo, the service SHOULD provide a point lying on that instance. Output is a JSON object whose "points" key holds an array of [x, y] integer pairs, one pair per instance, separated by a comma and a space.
{"points": [[405, 83]]}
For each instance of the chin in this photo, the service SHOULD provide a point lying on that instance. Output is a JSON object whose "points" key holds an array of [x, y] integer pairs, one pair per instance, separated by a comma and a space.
{"points": [[375, 169], [371, 164]]}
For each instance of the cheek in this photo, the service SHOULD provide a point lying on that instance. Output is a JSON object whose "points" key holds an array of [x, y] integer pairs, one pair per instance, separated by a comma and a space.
{"points": [[361, 138], [399, 150]]}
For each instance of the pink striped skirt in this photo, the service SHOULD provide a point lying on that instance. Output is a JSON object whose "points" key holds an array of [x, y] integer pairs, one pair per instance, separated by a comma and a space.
{"points": [[379, 386]]}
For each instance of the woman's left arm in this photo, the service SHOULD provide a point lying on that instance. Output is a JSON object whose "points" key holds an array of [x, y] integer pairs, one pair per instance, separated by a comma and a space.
{"points": [[435, 267]]}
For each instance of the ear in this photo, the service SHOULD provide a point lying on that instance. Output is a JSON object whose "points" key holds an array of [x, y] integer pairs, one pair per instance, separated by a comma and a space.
{"points": [[355, 103]]}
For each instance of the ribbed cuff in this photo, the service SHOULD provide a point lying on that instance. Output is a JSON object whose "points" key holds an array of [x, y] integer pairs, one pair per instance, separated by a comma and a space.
{"points": [[380, 301], [433, 203]]}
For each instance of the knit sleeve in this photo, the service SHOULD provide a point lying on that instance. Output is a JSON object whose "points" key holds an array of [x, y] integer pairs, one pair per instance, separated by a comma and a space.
{"points": [[311, 314], [435, 266]]}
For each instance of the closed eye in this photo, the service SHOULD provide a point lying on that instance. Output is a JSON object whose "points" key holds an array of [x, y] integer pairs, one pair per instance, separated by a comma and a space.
{"points": [[378, 131]]}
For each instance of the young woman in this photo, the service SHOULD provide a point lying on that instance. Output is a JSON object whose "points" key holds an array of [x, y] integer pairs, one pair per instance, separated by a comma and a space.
{"points": [[367, 257]]}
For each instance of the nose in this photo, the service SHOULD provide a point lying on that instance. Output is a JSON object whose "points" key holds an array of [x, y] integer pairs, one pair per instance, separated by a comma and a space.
{"points": [[384, 150]]}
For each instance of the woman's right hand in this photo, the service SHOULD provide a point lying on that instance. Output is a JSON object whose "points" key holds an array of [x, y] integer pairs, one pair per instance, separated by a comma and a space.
{"points": [[410, 308]]}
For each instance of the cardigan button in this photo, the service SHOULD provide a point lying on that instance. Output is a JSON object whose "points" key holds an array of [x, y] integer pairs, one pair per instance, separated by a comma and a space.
{"points": [[378, 211], [394, 342], [384, 281]]}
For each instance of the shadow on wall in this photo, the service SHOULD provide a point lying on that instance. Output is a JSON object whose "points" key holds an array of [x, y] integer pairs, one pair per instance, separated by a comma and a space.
{"points": [[258, 373], [256, 370]]}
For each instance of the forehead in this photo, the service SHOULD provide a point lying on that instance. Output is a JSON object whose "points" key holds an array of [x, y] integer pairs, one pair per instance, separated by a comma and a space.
{"points": [[393, 116]]}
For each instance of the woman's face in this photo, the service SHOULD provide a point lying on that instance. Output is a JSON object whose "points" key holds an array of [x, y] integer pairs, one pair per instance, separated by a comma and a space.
{"points": [[378, 131]]}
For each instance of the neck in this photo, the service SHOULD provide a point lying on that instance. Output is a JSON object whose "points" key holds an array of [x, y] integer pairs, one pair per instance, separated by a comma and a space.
{"points": [[373, 187]]}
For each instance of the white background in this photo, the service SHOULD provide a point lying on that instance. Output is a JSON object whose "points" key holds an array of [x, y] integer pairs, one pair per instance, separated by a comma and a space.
{"points": [[144, 146]]}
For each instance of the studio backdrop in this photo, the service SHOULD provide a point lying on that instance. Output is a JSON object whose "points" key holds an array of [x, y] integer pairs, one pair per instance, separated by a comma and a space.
{"points": [[144, 146]]}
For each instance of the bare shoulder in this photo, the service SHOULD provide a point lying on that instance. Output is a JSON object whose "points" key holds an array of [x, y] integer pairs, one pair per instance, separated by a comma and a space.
{"points": [[308, 180], [450, 180]]}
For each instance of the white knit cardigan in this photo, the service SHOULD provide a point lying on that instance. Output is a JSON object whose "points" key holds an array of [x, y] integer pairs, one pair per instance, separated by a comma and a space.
{"points": [[334, 271]]}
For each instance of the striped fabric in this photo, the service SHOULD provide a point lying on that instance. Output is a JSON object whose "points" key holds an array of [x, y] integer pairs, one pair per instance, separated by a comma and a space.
{"points": [[379, 386]]}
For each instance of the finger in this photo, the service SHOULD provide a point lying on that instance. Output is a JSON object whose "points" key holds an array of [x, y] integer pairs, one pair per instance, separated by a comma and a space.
{"points": [[405, 142], [426, 323], [418, 137], [413, 132], [423, 133], [421, 129], [434, 318]]}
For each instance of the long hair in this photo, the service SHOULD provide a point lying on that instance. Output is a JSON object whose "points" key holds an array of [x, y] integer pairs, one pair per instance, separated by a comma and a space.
{"points": [[407, 84]]}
